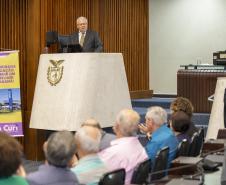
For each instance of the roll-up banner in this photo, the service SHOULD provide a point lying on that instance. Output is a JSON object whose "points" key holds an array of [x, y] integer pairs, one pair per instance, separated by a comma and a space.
{"points": [[10, 99]]}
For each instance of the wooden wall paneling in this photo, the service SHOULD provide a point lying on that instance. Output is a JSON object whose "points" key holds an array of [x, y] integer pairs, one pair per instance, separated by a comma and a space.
{"points": [[122, 25], [33, 138], [124, 33], [21, 40], [12, 35]]}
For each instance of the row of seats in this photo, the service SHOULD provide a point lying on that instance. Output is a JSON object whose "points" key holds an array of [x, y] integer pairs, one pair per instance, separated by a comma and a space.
{"points": [[147, 172], [141, 172], [193, 148]]}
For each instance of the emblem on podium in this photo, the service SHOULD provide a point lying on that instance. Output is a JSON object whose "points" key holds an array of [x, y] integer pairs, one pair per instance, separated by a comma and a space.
{"points": [[55, 72]]}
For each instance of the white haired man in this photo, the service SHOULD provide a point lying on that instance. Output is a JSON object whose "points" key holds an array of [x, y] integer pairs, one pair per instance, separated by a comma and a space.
{"points": [[59, 151], [88, 39], [89, 168], [106, 138], [125, 151], [161, 135]]}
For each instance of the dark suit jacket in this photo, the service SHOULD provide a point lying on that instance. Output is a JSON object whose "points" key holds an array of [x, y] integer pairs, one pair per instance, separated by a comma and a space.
{"points": [[92, 42]]}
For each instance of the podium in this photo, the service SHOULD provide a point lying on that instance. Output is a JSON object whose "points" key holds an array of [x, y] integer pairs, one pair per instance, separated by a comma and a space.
{"points": [[216, 121], [72, 87]]}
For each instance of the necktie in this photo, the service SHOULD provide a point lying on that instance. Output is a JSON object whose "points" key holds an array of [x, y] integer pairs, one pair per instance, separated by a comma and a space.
{"points": [[82, 39]]}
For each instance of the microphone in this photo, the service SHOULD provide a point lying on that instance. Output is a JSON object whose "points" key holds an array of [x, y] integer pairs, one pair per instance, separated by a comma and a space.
{"points": [[169, 170], [218, 151]]}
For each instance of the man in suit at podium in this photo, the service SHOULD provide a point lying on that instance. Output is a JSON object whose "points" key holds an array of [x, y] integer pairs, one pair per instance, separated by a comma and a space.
{"points": [[88, 39]]}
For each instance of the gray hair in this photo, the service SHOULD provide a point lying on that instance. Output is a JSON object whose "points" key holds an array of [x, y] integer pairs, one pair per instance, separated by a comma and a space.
{"points": [[127, 121], [60, 148], [157, 114], [82, 19], [87, 142]]}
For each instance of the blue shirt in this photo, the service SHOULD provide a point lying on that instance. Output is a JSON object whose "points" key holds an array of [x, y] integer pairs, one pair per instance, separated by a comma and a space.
{"points": [[161, 138]]}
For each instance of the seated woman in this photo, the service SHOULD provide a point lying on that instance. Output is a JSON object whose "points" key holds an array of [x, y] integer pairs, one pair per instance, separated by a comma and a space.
{"points": [[180, 123], [11, 169], [184, 104]]}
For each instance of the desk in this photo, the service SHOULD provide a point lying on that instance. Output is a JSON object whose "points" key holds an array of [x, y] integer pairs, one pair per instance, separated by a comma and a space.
{"points": [[197, 85], [188, 166], [210, 178], [213, 178], [213, 145]]}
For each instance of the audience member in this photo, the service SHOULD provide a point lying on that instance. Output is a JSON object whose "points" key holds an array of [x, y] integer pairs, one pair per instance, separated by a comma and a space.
{"points": [[90, 168], [161, 134], [11, 170], [59, 152], [106, 138], [125, 151], [184, 104], [179, 123]]}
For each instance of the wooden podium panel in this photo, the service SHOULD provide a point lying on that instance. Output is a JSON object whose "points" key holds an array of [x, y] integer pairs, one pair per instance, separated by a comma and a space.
{"points": [[91, 85], [197, 85]]}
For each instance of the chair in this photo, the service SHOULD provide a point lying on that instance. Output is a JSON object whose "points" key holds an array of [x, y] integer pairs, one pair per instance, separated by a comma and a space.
{"points": [[141, 172], [201, 139], [183, 148], [113, 177], [51, 38], [221, 134], [201, 133], [196, 143], [161, 163], [193, 149]]}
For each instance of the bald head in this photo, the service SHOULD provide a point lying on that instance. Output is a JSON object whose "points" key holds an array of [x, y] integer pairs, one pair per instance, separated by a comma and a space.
{"points": [[92, 132], [127, 122], [92, 122], [88, 139]]}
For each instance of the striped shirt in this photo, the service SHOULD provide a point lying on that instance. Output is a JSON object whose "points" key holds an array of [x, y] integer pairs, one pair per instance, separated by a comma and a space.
{"points": [[89, 169]]}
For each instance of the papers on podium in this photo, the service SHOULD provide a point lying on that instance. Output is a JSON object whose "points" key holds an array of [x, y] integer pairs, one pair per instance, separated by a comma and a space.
{"points": [[72, 87]]}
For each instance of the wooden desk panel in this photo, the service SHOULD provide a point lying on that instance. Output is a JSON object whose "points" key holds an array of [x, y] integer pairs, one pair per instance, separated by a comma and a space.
{"points": [[197, 85]]}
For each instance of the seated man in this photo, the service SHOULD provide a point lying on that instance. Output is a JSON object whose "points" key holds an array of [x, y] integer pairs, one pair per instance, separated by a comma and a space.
{"points": [[89, 168], [161, 135], [59, 152], [179, 124], [11, 169], [125, 151], [106, 138]]}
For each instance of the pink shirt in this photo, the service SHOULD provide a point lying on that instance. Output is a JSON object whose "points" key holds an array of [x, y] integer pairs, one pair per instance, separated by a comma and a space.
{"points": [[125, 153]]}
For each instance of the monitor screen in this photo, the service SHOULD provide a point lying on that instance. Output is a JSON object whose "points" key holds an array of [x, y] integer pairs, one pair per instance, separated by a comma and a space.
{"points": [[64, 40]]}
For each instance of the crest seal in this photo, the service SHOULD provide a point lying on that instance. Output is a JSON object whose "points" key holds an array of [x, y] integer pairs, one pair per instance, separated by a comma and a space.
{"points": [[55, 72]]}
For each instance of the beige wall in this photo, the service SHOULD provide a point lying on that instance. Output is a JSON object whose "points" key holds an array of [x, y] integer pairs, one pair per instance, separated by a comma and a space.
{"points": [[182, 32]]}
